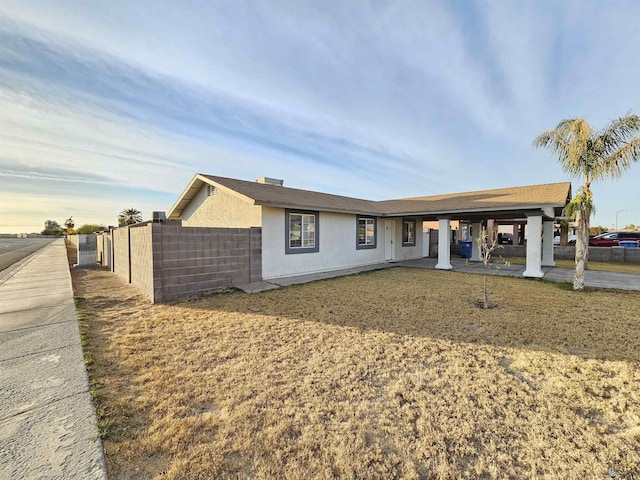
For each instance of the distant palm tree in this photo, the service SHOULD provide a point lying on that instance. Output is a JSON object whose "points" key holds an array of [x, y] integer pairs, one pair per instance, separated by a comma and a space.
{"points": [[129, 216], [593, 156]]}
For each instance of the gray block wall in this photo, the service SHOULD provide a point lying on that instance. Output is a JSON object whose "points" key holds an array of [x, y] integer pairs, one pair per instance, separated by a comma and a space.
{"points": [[168, 261], [601, 254], [596, 254], [141, 258], [120, 253], [192, 260], [86, 246]]}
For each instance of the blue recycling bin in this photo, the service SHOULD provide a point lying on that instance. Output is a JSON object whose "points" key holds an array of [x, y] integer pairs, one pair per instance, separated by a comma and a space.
{"points": [[466, 249], [629, 244]]}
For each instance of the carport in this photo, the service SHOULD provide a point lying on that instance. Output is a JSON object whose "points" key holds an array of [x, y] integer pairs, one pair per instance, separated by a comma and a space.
{"points": [[536, 206]]}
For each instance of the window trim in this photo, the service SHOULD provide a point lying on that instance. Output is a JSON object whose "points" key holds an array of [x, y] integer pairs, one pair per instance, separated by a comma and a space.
{"points": [[288, 249], [406, 221], [361, 246]]}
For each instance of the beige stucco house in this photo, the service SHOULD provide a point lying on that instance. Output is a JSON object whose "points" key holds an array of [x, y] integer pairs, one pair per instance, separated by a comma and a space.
{"points": [[305, 231]]}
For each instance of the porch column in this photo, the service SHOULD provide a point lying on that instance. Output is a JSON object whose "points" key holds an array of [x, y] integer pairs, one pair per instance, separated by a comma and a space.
{"points": [[534, 246], [444, 247], [547, 244], [475, 253]]}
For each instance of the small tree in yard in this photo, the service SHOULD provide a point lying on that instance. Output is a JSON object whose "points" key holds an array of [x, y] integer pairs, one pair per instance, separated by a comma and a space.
{"points": [[487, 243]]}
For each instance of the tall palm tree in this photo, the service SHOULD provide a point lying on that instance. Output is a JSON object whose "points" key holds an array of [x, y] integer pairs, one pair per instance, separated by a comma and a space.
{"points": [[592, 155], [129, 216]]}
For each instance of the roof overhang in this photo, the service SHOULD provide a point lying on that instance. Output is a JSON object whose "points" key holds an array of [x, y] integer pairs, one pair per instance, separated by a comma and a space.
{"points": [[189, 193], [508, 211], [185, 197], [299, 206]]}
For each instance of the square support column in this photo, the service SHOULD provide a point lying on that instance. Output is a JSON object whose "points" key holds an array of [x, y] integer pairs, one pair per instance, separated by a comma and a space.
{"points": [[475, 251], [444, 247], [547, 244], [534, 247]]}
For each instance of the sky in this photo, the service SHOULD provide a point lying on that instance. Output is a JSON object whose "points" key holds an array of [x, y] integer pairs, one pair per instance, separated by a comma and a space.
{"points": [[113, 105]]}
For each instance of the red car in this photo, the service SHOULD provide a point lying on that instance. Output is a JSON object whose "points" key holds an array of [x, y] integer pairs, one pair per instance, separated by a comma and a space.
{"points": [[611, 239]]}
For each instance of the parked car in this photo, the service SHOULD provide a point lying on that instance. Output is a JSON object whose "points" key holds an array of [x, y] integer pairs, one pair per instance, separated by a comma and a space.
{"points": [[505, 239], [611, 239], [571, 240]]}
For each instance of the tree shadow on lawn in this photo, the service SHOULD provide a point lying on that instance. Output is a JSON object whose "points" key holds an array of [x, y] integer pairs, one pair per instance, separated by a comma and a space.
{"points": [[599, 324]]}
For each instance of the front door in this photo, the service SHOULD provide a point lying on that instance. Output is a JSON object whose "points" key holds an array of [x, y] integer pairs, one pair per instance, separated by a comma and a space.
{"points": [[389, 237]]}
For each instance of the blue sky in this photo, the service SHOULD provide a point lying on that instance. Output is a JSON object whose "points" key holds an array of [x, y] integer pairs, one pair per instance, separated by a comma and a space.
{"points": [[111, 105]]}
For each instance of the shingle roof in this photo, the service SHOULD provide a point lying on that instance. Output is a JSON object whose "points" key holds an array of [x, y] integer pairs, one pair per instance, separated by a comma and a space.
{"points": [[530, 197], [273, 195], [550, 194]]}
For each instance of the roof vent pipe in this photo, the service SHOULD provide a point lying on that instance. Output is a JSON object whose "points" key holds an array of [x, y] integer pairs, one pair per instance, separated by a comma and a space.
{"points": [[271, 181]]}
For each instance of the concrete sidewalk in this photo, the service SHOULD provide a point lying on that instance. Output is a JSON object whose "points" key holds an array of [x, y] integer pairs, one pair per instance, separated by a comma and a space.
{"points": [[48, 425]]}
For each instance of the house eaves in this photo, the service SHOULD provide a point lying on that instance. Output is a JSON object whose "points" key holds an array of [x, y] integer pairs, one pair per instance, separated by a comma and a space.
{"points": [[192, 190], [547, 199]]}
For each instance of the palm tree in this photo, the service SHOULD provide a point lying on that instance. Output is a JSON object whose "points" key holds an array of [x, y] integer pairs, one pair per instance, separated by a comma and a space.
{"points": [[592, 155], [129, 216]]}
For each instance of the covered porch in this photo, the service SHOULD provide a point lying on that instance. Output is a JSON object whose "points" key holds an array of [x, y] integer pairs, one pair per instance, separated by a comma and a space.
{"points": [[530, 210], [534, 228]]}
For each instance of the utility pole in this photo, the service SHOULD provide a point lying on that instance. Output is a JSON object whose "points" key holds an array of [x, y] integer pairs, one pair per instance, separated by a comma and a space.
{"points": [[623, 210]]}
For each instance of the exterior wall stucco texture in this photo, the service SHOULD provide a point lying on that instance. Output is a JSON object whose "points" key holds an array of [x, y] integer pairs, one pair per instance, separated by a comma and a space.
{"points": [[221, 209], [337, 250]]}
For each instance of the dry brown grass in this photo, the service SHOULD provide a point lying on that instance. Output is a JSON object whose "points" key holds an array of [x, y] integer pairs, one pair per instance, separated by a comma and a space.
{"points": [[632, 268], [390, 374]]}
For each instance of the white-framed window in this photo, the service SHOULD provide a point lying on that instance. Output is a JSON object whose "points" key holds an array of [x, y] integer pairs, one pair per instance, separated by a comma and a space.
{"points": [[301, 231], [366, 233], [408, 232]]}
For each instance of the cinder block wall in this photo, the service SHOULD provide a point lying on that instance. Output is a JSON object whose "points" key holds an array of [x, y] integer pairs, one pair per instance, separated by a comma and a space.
{"points": [[141, 243], [192, 260], [103, 249], [121, 253], [601, 254], [100, 251]]}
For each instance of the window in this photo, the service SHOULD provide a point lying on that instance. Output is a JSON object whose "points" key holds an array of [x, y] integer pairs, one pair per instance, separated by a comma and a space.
{"points": [[301, 231], [366, 233], [408, 233]]}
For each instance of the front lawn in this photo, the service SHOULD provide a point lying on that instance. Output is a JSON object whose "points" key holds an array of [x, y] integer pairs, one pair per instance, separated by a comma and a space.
{"points": [[389, 374], [617, 267]]}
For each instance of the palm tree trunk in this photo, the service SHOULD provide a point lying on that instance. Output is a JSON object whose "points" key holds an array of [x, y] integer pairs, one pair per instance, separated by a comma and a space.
{"points": [[582, 249]]}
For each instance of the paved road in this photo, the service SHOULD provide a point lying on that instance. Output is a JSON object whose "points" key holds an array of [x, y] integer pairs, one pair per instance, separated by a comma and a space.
{"points": [[47, 421], [15, 249]]}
